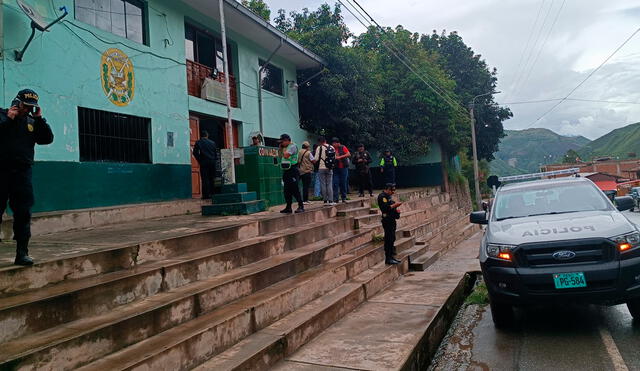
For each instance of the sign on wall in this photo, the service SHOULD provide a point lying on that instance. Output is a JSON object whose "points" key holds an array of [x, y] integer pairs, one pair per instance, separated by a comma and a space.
{"points": [[118, 80]]}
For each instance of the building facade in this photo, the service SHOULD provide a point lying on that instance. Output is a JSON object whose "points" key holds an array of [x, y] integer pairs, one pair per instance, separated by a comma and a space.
{"points": [[127, 86]]}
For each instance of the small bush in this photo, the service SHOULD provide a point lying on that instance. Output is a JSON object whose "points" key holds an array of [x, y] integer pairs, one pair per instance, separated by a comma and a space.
{"points": [[479, 295], [377, 238]]}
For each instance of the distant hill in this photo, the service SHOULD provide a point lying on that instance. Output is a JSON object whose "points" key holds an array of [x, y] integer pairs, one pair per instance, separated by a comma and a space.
{"points": [[522, 151], [618, 143]]}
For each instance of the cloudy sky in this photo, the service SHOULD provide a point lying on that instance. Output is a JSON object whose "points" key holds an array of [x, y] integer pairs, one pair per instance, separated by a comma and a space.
{"points": [[536, 61]]}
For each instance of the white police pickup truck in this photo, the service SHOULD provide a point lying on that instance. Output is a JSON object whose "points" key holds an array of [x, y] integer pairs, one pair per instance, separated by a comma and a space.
{"points": [[555, 241]]}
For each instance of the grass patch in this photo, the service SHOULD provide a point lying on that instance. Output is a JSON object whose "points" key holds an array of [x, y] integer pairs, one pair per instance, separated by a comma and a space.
{"points": [[316, 198], [479, 295], [404, 198], [377, 238]]}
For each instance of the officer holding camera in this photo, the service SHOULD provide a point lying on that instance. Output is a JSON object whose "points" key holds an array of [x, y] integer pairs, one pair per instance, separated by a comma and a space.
{"points": [[390, 214], [21, 128]]}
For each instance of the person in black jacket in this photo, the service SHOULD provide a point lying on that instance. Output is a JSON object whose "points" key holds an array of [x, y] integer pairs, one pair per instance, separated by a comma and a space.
{"points": [[390, 213], [206, 152], [362, 159], [21, 128]]}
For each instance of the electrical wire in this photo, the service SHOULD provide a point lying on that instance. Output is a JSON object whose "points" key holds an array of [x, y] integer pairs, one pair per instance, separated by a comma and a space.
{"points": [[586, 78], [544, 43], [402, 57], [520, 82], [569, 99], [524, 51], [455, 105]]}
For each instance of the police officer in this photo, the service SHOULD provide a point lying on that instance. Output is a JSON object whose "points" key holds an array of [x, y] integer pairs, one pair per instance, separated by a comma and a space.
{"points": [[21, 128], [390, 214], [388, 166], [290, 175]]}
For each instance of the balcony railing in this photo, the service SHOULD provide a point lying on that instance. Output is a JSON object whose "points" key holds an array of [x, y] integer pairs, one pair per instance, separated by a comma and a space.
{"points": [[197, 73]]}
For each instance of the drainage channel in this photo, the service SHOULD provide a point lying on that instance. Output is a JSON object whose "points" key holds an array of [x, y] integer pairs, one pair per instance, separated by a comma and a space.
{"points": [[457, 335]]}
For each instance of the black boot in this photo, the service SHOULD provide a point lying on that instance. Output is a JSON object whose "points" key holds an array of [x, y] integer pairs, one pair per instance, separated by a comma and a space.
{"points": [[22, 254]]}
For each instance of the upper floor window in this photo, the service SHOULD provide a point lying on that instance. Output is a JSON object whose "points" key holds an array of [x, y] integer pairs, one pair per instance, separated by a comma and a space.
{"points": [[124, 18], [271, 78], [206, 49]]}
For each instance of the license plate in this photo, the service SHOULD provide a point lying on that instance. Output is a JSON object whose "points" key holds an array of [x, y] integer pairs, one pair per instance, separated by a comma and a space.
{"points": [[569, 280]]}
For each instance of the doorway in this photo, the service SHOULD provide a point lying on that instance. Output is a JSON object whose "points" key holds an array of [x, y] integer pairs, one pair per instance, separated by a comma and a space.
{"points": [[215, 127]]}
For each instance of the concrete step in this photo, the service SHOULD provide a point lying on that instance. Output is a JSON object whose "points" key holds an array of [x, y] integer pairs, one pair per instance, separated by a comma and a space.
{"points": [[230, 198], [70, 301], [83, 264], [69, 220], [356, 211], [196, 341], [127, 324], [235, 208], [269, 346]]}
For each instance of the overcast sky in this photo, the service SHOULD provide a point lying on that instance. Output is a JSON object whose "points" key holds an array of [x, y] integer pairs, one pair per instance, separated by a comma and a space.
{"points": [[557, 59]]}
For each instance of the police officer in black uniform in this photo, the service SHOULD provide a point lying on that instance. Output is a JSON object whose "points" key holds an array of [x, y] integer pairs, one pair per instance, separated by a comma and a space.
{"points": [[21, 128], [206, 153], [390, 214]]}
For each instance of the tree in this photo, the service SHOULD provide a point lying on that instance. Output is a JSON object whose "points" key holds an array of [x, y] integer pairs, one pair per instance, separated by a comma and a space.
{"points": [[571, 157], [259, 7], [473, 77]]}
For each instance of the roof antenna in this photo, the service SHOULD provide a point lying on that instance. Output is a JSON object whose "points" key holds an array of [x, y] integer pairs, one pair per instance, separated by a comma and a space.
{"points": [[37, 23]]}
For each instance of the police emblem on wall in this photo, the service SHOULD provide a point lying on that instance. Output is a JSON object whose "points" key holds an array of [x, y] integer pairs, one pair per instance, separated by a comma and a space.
{"points": [[118, 80]]}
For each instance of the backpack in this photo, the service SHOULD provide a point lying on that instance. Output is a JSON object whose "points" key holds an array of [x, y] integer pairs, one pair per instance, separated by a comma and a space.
{"points": [[330, 157]]}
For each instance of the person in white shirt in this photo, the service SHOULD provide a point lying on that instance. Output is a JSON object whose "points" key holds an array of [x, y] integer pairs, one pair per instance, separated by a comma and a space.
{"points": [[305, 161]]}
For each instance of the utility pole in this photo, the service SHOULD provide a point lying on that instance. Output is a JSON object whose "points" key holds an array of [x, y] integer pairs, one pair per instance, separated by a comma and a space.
{"points": [[476, 172], [225, 67]]}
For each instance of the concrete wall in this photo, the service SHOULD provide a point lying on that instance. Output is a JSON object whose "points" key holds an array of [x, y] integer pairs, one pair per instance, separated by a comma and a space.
{"points": [[64, 67]]}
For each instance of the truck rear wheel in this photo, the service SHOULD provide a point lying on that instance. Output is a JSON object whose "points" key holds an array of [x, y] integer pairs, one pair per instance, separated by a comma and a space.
{"points": [[502, 314], [634, 308]]}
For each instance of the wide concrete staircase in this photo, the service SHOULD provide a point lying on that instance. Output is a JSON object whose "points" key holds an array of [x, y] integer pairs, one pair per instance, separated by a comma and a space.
{"points": [[242, 296]]}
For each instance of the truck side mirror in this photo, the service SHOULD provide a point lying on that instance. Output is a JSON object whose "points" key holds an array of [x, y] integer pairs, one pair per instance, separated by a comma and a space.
{"points": [[478, 217], [624, 203]]}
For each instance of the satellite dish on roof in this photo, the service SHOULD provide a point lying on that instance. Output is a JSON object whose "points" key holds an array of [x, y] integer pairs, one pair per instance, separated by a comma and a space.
{"points": [[35, 17], [37, 23]]}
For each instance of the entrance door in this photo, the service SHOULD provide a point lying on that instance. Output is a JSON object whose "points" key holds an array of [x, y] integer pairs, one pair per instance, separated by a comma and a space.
{"points": [[194, 129]]}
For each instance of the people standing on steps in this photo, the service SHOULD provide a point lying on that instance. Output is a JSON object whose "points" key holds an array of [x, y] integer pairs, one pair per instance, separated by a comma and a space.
{"points": [[390, 214], [388, 166], [21, 128], [205, 151], [362, 159], [306, 166], [324, 159], [288, 153], [341, 171]]}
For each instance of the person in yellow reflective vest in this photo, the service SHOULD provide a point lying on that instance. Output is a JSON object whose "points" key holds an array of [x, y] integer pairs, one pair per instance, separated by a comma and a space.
{"points": [[388, 166]]}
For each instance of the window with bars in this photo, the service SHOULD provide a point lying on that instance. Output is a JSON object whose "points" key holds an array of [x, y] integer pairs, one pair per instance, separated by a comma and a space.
{"points": [[113, 137], [126, 18]]}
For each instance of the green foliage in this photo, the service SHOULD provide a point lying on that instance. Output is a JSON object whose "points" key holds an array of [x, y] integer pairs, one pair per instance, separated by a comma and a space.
{"points": [[377, 238], [472, 77], [479, 295], [571, 157], [528, 149], [618, 143], [259, 7], [366, 95], [455, 176]]}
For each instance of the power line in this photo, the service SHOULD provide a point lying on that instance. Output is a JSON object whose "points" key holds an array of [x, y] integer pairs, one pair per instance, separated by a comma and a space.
{"points": [[533, 48], [524, 51], [569, 99], [398, 54], [544, 43], [587, 78]]}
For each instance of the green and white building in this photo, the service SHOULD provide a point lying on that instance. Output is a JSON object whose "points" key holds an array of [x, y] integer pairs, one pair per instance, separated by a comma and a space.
{"points": [[127, 85]]}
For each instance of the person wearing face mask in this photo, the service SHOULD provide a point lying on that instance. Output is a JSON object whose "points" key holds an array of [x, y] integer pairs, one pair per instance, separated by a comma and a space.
{"points": [[21, 128]]}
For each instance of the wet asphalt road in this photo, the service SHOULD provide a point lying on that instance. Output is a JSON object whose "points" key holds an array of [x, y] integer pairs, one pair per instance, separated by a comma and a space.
{"points": [[557, 338]]}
